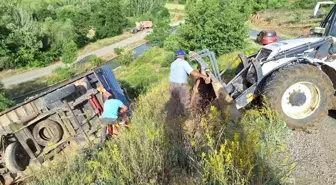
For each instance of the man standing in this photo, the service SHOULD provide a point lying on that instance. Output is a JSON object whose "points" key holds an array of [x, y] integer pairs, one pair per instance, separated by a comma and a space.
{"points": [[179, 71], [111, 111]]}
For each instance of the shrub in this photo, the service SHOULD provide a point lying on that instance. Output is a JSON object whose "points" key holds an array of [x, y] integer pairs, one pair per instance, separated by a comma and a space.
{"points": [[168, 59], [171, 43], [69, 52], [95, 61], [126, 56], [215, 24], [118, 50]]}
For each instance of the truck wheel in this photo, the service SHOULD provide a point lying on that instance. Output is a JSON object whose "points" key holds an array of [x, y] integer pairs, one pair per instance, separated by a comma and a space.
{"points": [[16, 158], [47, 132], [301, 94]]}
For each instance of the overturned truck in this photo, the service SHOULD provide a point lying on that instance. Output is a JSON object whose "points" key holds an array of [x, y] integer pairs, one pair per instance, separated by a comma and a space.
{"points": [[60, 120]]}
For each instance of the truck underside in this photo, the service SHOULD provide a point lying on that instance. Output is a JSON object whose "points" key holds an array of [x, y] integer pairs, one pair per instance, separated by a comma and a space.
{"points": [[61, 120]]}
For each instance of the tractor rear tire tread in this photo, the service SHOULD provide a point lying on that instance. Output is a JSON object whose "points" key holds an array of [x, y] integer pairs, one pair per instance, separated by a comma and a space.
{"points": [[280, 80]]}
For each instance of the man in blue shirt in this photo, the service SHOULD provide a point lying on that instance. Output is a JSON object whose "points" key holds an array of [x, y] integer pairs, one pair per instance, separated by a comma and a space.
{"points": [[179, 72], [112, 109]]}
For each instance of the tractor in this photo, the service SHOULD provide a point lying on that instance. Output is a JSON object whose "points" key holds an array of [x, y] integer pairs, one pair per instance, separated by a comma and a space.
{"points": [[297, 77]]}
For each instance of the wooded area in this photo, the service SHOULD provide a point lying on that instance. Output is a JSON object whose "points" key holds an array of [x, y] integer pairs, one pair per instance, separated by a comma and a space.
{"points": [[37, 32]]}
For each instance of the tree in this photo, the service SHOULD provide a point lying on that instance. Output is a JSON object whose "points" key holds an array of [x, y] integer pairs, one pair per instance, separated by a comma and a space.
{"points": [[136, 8], [215, 24], [161, 28], [69, 52]]}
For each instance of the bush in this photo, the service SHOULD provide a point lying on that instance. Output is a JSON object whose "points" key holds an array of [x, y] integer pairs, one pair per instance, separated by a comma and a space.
{"points": [[168, 59], [69, 53], [161, 28], [95, 61], [118, 50], [215, 24], [171, 44], [126, 56]]}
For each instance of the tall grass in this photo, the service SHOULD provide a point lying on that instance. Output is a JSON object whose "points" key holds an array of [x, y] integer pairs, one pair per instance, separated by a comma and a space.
{"points": [[192, 149], [198, 147]]}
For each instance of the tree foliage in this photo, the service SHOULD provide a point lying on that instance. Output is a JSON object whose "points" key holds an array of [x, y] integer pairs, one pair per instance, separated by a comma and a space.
{"points": [[69, 52], [137, 8], [161, 29], [35, 32], [218, 25]]}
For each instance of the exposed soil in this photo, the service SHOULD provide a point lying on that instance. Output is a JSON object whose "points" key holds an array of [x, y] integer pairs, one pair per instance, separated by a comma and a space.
{"points": [[286, 22], [314, 153]]}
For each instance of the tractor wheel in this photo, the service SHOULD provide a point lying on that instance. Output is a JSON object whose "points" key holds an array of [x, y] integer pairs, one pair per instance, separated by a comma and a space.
{"points": [[16, 158], [47, 132], [301, 94]]}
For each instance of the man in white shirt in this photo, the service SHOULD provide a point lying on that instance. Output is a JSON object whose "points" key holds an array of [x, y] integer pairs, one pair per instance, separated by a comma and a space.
{"points": [[179, 71]]}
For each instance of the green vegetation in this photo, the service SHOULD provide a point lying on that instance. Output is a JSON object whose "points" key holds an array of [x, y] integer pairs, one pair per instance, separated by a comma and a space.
{"points": [[214, 24], [69, 52], [37, 32], [145, 70], [126, 55], [5, 102], [198, 148]]}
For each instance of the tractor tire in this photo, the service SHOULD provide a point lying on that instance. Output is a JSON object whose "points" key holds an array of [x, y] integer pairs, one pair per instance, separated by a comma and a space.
{"points": [[16, 158], [47, 132], [301, 94]]}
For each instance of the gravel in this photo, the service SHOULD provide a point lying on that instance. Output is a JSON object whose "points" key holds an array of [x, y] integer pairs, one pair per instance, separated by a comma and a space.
{"points": [[315, 153]]}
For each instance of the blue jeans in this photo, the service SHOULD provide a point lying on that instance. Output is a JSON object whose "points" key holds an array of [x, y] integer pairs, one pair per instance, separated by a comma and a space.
{"points": [[105, 122]]}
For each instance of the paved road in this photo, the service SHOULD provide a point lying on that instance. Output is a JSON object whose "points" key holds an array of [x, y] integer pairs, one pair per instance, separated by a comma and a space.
{"points": [[33, 74], [37, 73]]}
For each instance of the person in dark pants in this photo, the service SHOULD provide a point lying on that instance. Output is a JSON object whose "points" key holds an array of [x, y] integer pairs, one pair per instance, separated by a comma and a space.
{"points": [[112, 109], [179, 72]]}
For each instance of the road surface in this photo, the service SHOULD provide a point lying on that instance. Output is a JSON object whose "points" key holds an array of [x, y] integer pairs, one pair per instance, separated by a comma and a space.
{"points": [[37, 73]]}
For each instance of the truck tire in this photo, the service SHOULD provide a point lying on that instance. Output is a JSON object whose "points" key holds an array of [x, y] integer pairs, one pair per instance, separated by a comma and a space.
{"points": [[47, 132], [301, 94], [16, 158]]}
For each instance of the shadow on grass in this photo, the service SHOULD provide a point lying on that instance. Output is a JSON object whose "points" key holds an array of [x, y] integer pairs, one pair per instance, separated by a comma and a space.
{"points": [[183, 161]]}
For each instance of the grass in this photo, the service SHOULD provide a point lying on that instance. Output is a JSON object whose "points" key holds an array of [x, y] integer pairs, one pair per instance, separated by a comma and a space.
{"points": [[287, 22], [176, 12], [175, 7], [200, 147]]}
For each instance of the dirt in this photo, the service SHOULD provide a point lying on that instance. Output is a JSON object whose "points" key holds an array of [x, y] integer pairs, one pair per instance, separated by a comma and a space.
{"points": [[286, 22], [314, 154]]}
